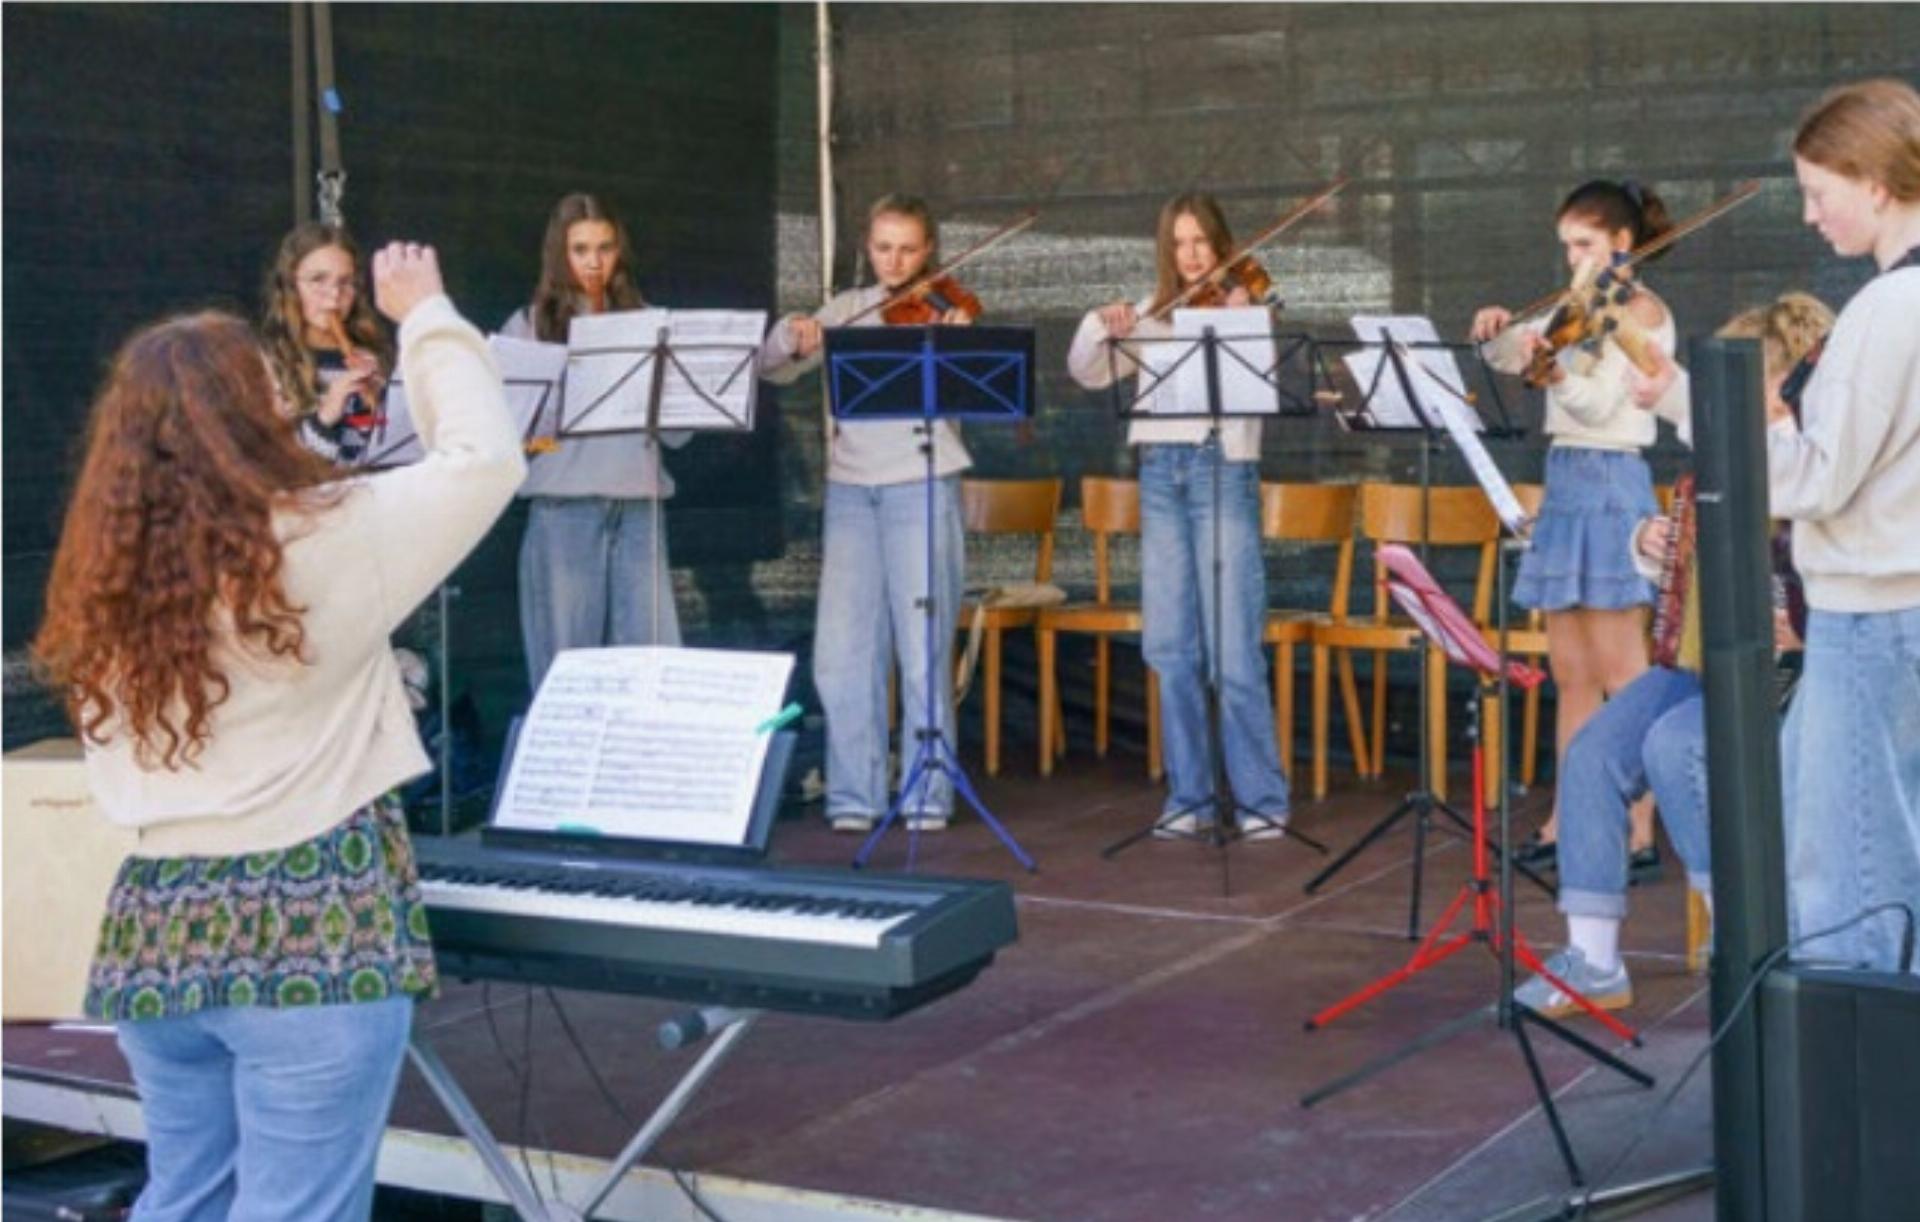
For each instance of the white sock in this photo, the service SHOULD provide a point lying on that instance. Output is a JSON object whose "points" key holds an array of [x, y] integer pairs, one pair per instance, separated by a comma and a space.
{"points": [[1598, 940]]}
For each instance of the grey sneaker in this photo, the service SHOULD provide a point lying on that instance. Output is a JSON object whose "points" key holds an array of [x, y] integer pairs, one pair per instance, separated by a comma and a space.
{"points": [[1179, 827], [1543, 997], [860, 824]]}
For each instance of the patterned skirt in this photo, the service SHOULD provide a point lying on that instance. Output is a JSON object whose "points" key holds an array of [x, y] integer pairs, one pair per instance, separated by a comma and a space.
{"points": [[334, 919]]}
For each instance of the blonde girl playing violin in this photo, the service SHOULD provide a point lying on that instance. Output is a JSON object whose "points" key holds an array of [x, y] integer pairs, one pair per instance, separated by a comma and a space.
{"points": [[1178, 465], [1598, 485], [873, 571]]}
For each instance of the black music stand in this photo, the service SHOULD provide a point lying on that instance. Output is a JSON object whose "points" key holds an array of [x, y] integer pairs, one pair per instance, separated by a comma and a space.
{"points": [[1370, 414], [929, 375], [651, 389], [1453, 631], [1208, 347]]}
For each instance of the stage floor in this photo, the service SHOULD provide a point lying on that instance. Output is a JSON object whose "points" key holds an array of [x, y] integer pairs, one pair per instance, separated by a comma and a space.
{"points": [[1138, 1054]]}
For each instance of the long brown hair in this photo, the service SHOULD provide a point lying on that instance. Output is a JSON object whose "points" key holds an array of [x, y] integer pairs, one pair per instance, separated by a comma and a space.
{"points": [[1204, 209], [554, 297], [283, 327], [1869, 129], [169, 550]]}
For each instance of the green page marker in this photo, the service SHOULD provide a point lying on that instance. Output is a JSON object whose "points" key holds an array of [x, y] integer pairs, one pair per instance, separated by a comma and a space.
{"points": [[779, 721], [577, 829]]}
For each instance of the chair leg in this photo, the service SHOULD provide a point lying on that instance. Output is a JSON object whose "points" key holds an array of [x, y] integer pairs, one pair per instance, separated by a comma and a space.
{"points": [[1436, 664], [1102, 681], [1363, 762], [1378, 764], [1283, 706], [992, 702], [1529, 735], [1156, 767], [1699, 932], [1320, 700], [1496, 749], [1045, 644]]}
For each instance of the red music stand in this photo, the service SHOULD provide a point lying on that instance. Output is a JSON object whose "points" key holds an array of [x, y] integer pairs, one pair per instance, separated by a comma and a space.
{"points": [[1445, 624]]}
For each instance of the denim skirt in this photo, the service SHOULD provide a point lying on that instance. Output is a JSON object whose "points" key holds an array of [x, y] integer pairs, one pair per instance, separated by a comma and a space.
{"points": [[1580, 552]]}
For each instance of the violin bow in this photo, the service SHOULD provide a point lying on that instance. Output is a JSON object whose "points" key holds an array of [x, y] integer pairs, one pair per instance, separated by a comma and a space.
{"points": [[966, 256], [1299, 213], [1698, 221]]}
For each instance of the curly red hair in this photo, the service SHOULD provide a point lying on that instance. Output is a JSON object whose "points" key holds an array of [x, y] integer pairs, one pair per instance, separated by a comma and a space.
{"points": [[169, 550]]}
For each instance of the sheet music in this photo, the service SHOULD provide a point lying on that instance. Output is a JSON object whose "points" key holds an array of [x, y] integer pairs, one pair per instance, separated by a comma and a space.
{"points": [[1410, 329], [533, 372], [610, 369], [1464, 426], [648, 742], [1246, 355]]}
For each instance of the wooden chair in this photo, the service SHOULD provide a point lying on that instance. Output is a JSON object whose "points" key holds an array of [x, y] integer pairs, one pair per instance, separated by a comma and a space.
{"points": [[1108, 507], [1009, 507], [1391, 513], [1312, 513]]}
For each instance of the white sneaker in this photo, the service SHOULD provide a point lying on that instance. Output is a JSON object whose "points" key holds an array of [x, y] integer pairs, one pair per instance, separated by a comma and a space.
{"points": [[1269, 828], [927, 823], [1613, 991], [860, 824], [1179, 827]]}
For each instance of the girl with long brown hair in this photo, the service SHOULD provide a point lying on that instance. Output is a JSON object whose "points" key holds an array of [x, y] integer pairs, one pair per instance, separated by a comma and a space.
{"points": [[1180, 465], [331, 357], [217, 626], [593, 561]]}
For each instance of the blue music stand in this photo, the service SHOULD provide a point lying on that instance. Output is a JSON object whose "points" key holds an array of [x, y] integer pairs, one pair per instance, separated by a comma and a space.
{"points": [[930, 374]]}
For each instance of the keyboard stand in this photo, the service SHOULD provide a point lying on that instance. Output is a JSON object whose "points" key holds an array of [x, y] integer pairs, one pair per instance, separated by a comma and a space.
{"points": [[731, 1026]]}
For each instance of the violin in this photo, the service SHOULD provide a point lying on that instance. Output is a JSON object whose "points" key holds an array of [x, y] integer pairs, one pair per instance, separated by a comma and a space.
{"points": [[928, 298], [930, 302], [1240, 269], [1244, 273]]}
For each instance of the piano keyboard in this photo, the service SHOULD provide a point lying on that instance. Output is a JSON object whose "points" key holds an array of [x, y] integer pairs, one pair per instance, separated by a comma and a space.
{"points": [[816, 941]]}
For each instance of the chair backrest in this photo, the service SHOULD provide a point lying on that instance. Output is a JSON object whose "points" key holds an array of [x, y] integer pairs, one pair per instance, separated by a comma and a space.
{"points": [[1461, 517], [1014, 507], [1314, 513], [1109, 506]]}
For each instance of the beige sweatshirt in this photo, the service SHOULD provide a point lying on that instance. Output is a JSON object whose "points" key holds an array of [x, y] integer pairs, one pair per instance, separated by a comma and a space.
{"points": [[295, 748], [1594, 408], [1848, 475], [868, 453]]}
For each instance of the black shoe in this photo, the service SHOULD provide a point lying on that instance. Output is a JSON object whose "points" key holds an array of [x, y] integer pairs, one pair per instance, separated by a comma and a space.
{"points": [[1643, 866], [1538, 854]]}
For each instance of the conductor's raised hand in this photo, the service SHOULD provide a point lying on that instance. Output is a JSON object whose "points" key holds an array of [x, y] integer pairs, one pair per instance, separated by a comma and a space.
{"points": [[404, 275]]}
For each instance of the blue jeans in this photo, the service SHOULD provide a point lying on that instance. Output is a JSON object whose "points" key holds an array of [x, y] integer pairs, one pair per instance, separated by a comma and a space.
{"points": [[1850, 757], [259, 1113], [1176, 561], [872, 579], [1651, 734], [588, 569]]}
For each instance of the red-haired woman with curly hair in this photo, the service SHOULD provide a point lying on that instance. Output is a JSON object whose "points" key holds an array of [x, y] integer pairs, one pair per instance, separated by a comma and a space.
{"points": [[217, 625]]}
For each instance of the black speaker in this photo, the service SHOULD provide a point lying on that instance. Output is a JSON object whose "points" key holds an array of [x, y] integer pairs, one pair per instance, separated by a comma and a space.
{"points": [[1841, 1080]]}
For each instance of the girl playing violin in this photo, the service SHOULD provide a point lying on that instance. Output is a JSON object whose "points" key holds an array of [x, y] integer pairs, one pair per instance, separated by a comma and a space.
{"points": [[329, 354], [1179, 465], [1848, 476], [593, 563], [1598, 486], [876, 534]]}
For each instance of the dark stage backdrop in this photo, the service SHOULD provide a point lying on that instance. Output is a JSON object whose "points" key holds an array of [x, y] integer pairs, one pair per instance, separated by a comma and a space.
{"points": [[148, 163], [1462, 126]]}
